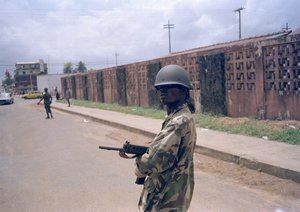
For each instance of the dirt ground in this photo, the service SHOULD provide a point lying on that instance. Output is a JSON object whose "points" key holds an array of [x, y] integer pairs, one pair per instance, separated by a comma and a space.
{"points": [[232, 172], [239, 174], [247, 177]]}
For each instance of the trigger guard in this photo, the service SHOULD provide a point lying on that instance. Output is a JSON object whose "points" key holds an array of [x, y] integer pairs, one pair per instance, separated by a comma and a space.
{"points": [[124, 155]]}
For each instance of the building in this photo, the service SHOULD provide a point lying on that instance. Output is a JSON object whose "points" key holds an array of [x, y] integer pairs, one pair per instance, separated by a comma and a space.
{"points": [[25, 75], [256, 77]]}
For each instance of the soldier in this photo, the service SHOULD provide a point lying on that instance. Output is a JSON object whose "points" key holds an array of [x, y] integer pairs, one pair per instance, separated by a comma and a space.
{"points": [[168, 164], [47, 102]]}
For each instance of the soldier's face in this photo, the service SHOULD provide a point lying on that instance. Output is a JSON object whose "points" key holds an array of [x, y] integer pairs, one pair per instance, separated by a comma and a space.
{"points": [[169, 94]]}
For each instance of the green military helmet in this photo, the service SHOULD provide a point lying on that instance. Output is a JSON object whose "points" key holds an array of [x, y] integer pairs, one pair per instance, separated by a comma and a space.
{"points": [[173, 75]]}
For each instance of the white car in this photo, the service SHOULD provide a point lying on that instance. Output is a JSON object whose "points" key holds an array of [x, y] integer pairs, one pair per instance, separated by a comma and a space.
{"points": [[6, 98]]}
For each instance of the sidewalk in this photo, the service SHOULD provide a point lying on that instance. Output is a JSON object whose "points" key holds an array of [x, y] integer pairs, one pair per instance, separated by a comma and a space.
{"points": [[278, 159]]}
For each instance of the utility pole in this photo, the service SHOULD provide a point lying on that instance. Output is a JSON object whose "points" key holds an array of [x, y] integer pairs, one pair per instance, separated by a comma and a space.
{"points": [[286, 29], [240, 22], [169, 27], [116, 55]]}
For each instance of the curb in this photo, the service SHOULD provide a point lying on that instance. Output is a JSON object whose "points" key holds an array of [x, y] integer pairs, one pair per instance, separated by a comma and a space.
{"points": [[246, 162]]}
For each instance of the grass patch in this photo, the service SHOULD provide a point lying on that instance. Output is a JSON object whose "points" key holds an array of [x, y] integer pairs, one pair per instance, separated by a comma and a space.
{"points": [[291, 136], [242, 126], [283, 131], [135, 110]]}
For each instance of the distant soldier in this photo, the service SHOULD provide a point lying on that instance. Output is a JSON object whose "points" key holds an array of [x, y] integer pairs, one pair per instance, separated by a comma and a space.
{"points": [[168, 164], [47, 102], [68, 96]]}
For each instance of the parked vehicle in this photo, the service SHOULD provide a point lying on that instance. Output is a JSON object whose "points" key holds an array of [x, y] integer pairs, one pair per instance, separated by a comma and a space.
{"points": [[6, 98], [32, 95]]}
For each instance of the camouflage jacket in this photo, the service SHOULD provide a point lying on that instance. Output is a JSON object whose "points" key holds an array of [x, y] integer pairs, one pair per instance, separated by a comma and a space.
{"points": [[169, 165]]}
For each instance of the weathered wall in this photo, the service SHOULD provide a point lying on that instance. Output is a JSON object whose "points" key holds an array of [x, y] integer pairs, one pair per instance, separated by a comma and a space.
{"points": [[99, 84], [212, 83], [92, 86], [132, 91], [121, 85], [244, 74], [258, 78], [110, 91], [282, 80], [152, 70]]}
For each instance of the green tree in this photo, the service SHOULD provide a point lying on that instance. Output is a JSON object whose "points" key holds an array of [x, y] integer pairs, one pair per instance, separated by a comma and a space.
{"points": [[81, 67], [8, 81], [68, 68]]}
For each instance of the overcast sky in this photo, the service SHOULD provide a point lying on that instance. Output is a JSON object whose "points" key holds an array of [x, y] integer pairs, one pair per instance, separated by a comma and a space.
{"points": [[60, 31]]}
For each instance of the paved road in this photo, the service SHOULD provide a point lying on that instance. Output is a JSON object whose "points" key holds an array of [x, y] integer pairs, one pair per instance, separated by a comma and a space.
{"points": [[55, 165]]}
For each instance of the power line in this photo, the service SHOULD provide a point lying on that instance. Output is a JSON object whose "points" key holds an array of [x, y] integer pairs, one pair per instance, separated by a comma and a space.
{"points": [[169, 27]]}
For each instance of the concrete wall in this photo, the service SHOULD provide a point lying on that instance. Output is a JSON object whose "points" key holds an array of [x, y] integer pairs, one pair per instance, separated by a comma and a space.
{"points": [[49, 81], [282, 80], [257, 77]]}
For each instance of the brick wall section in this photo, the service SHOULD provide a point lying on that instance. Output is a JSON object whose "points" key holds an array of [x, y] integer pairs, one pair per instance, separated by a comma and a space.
{"points": [[110, 91], [190, 64], [65, 84], [243, 77], [282, 80], [261, 77], [92, 86], [132, 85], [79, 86], [142, 84]]}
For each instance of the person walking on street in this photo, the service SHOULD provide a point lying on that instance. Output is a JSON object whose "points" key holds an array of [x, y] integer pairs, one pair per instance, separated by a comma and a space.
{"points": [[47, 103], [56, 93], [168, 165], [68, 96]]}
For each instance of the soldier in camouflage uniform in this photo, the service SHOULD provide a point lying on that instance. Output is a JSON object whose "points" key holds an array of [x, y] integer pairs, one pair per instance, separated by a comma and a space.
{"points": [[47, 102], [168, 164]]}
